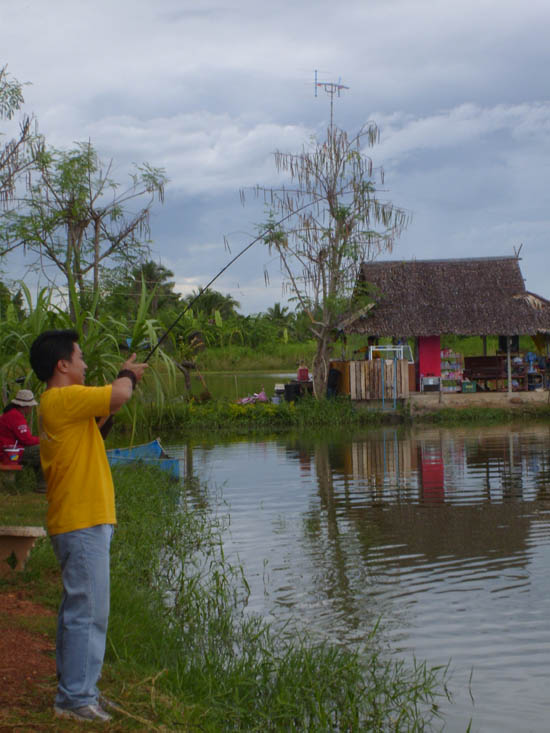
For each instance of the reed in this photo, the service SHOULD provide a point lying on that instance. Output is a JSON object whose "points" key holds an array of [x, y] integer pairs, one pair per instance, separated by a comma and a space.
{"points": [[179, 624], [183, 653]]}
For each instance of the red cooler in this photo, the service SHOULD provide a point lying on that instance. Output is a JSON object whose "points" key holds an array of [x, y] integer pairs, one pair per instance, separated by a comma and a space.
{"points": [[303, 374]]}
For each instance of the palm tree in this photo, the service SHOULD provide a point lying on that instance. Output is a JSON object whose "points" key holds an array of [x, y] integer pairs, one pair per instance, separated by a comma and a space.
{"points": [[157, 277], [279, 315], [124, 285], [211, 301]]}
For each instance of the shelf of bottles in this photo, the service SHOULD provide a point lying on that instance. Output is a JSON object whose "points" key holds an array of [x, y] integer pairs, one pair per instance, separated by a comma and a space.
{"points": [[452, 369]]}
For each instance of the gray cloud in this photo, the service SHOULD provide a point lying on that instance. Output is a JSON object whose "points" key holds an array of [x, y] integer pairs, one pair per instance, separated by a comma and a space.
{"points": [[209, 92]]}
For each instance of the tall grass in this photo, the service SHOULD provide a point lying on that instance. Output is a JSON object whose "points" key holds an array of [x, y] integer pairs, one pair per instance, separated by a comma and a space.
{"points": [[178, 623], [269, 356], [184, 654], [223, 415]]}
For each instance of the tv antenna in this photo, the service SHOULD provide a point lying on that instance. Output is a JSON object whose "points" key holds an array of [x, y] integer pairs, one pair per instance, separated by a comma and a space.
{"points": [[331, 88]]}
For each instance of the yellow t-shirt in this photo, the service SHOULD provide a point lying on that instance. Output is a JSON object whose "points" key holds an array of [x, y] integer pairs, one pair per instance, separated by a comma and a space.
{"points": [[72, 453]]}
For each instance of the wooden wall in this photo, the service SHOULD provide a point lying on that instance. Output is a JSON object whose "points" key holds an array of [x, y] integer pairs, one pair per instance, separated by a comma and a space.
{"points": [[362, 380]]}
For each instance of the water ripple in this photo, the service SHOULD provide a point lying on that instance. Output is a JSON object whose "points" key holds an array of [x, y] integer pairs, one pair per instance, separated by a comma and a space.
{"points": [[444, 534]]}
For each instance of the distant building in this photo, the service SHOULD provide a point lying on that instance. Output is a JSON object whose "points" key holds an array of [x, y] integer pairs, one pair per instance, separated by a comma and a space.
{"points": [[475, 296], [426, 299]]}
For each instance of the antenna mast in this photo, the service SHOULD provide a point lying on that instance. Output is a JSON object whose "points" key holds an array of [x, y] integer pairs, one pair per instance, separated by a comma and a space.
{"points": [[331, 88]]}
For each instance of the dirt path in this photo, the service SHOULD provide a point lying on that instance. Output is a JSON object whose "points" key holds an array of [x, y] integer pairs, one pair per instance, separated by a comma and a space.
{"points": [[27, 664]]}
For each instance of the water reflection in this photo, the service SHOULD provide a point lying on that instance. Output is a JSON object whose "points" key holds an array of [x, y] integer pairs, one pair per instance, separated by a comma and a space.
{"points": [[437, 492], [445, 533]]}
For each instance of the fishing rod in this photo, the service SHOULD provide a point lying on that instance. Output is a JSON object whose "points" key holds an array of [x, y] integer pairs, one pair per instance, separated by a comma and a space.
{"points": [[261, 235], [108, 424]]}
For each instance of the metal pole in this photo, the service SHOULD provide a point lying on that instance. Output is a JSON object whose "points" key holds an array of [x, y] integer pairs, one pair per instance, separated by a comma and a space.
{"points": [[509, 363], [394, 381], [382, 363]]}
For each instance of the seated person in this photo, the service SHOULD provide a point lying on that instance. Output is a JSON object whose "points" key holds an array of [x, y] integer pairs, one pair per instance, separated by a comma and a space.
{"points": [[372, 341], [15, 431], [375, 354]]}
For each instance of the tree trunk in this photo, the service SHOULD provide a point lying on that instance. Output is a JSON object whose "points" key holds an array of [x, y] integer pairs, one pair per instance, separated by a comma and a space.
{"points": [[320, 367]]}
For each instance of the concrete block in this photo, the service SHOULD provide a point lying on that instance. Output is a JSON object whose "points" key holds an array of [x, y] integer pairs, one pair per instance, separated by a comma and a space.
{"points": [[15, 546]]}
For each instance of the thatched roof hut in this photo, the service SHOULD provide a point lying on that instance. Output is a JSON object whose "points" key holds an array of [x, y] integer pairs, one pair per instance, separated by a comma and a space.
{"points": [[475, 296]]}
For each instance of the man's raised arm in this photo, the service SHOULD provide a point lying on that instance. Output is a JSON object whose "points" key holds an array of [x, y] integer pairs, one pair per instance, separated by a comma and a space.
{"points": [[123, 386]]}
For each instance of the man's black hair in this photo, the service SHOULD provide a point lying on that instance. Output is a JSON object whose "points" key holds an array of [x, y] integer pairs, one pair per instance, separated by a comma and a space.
{"points": [[49, 348]]}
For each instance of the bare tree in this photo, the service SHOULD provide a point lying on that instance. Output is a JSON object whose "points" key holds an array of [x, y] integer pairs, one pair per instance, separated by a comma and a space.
{"points": [[334, 220], [75, 218], [13, 153]]}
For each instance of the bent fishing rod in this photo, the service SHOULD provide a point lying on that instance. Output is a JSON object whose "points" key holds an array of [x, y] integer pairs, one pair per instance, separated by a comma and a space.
{"points": [[261, 235], [105, 427]]}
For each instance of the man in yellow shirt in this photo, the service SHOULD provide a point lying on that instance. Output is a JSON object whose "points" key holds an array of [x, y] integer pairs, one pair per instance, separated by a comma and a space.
{"points": [[81, 510]]}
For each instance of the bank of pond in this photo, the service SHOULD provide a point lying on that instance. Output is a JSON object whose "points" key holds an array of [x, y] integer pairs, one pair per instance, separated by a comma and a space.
{"points": [[287, 581], [184, 653], [227, 415]]}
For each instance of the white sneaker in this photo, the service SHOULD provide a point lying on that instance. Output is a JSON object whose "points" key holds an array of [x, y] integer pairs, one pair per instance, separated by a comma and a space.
{"points": [[89, 713], [107, 704]]}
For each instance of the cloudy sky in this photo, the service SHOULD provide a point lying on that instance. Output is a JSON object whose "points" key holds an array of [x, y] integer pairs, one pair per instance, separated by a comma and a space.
{"points": [[208, 90]]}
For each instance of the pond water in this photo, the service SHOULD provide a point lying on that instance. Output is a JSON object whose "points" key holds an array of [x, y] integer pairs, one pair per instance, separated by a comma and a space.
{"points": [[234, 385], [443, 533]]}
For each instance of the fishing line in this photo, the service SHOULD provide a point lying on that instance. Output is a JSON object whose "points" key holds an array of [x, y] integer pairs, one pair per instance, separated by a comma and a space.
{"points": [[226, 267], [108, 424]]}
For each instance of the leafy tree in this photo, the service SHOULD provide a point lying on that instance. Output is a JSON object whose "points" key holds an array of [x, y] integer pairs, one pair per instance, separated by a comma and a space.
{"points": [[281, 319], [334, 219], [211, 301], [157, 279], [279, 314], [10, 305], [76, 218], [100, 339], [259, 330], [121, 285], [301, 326], [14, 159]]}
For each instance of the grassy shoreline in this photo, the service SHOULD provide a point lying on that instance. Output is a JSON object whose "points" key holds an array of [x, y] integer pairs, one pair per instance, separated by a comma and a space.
{"points": [[223, 416], [183, 653]]}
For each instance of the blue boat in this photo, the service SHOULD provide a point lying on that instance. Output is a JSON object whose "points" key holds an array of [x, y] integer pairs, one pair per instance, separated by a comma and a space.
{"points": [[152, 454]]}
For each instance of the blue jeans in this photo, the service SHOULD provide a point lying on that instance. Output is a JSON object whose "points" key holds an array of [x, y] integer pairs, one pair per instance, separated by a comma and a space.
{"points": [[83, 614]]}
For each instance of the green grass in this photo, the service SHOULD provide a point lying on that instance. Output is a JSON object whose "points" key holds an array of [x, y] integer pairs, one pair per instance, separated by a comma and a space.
{"points": [[484, 415], [224, 416], [280, 356], [19, 505], [183, 653], [179, 619], [273, 357]]}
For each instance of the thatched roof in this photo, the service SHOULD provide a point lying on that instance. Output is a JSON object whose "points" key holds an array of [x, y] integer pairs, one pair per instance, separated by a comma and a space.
{"points": [[477, 296]]}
